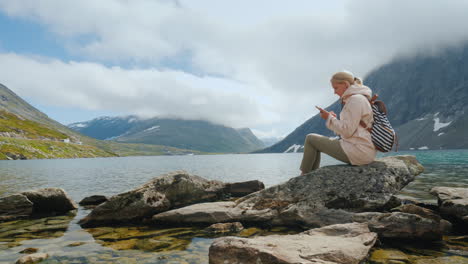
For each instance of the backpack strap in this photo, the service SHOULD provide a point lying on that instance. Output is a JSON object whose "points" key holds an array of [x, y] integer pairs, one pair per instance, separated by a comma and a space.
{"points": [[365, 126], [371, 101]]}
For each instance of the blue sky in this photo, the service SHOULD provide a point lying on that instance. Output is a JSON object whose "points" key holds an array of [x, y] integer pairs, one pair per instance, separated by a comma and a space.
{"points": [[259, 64]]}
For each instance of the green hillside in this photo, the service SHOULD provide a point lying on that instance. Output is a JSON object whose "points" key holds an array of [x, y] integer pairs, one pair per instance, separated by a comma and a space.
{"points": [[16, 148], [25, 139], [24, 130], [14, 126]]}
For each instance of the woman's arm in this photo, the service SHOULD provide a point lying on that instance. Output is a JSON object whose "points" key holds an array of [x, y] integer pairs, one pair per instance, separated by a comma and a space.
{"points": [[350, 117]]}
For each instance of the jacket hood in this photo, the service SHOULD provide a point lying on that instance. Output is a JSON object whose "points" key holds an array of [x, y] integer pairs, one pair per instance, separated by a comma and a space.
{"points": [[357, 89]]}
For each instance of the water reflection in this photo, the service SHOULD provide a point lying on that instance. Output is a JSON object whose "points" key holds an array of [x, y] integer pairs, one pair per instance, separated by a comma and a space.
{"points": [[66, 242], [44, 228]]}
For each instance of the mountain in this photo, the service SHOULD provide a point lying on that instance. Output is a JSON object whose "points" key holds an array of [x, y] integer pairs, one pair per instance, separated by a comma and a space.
{"points": [[21, 138], [250, 138], [187, 134], [27, 133], [426, 97], [270, 141]]}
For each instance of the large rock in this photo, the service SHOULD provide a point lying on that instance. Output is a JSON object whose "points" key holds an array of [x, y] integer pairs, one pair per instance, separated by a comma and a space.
{"points": [[45, 202], [50, 200], [15, 206], [329, 195], [345, 243], [168, 191], [452, 201]]}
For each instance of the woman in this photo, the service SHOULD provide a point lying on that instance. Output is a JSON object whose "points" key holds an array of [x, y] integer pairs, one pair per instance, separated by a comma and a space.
{"points": [[355, 146]]}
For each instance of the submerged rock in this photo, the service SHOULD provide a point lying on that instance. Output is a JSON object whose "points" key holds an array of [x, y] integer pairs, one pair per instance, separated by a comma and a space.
{"points": [[33, 258], [224, 228], [44, 202], [28, 229], [388, 256], [168, 191], [344, 243], [29, 251], [329, 195], [452, 201]]}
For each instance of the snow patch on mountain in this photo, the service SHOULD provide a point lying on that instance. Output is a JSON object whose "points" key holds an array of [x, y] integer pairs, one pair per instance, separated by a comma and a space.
{"points": [[80, 125], [438, 125], [294, 148], [152, 128]]}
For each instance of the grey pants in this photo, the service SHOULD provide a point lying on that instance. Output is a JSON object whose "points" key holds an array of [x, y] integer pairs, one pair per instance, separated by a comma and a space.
{"points": [[315, 144]]}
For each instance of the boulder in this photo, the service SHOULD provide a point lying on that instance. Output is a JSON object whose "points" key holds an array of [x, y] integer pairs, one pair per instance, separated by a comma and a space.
{"points": [[50, 200], [344, 243], [329, 195], [46, 201], [452, 202], [93, 200], [15, 206], [166, 192]]}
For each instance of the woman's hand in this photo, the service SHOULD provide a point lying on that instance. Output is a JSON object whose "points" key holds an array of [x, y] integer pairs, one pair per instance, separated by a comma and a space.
{"points": [[324, 114]]}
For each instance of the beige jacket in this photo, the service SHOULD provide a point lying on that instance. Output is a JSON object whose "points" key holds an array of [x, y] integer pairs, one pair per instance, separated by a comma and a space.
{"points": [[355, 140]]}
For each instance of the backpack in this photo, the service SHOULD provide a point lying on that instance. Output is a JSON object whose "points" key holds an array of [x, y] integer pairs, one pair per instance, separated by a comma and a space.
{"points": [[382, 133]]}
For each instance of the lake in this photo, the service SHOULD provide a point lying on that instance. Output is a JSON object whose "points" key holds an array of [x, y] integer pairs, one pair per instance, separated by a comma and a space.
{"points": [[69, 243]]}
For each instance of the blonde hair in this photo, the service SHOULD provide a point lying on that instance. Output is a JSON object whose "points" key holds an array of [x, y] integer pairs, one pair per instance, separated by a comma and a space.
{"points": [[346, 76]]}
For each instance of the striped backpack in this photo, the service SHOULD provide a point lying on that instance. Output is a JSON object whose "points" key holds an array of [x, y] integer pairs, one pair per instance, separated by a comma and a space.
{"points": [[382, 133]]}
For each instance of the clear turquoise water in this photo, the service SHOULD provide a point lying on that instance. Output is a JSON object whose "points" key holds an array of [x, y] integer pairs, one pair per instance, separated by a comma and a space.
{"points": [[110, 176]]}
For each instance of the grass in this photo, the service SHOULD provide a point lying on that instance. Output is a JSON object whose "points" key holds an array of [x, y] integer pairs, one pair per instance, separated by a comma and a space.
{"points": [[12, 124], [46, 149]]}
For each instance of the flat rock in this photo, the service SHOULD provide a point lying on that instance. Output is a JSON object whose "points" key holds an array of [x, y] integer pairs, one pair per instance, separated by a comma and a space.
{"points": [[452, 201], [163, 193], [343, 243], [402, 225], [417, 210], [329, 195], [239, 189]]}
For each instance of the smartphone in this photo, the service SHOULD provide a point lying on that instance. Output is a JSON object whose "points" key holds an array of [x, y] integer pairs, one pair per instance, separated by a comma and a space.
{"points": [[320, 109]]}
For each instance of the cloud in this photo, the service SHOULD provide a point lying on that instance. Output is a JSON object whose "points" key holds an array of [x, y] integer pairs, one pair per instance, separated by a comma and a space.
{"points": [[145, 92], [282, 53]]}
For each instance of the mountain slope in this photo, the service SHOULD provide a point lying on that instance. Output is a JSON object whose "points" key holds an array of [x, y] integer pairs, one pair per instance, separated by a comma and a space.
{"points": [[24, 134], [186, 134], [25, 139], [426, 97]]}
